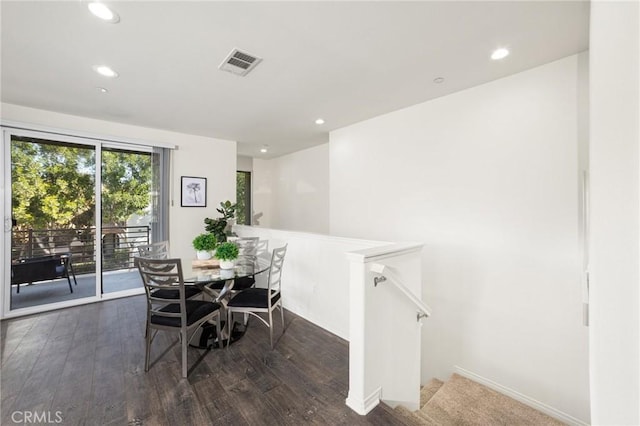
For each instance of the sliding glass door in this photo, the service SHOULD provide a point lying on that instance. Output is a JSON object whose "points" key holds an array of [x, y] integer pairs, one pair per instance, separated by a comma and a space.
{"points": [[72, 228], [53, 240], [126, 215]]}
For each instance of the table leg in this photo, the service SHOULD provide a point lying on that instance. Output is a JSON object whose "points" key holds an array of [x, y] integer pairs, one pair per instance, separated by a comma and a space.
{"points": [[222, 298]]}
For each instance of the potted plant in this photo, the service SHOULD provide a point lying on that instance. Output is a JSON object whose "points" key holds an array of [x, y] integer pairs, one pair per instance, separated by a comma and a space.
{"points": [[218, 227], [227, 253], [204, 244]]}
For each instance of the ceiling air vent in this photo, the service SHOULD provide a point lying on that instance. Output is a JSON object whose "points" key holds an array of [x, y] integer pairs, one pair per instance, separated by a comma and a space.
{"points": [[239, 62]]}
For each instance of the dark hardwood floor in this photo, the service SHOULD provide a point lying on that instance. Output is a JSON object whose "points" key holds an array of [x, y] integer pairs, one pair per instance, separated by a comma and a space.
{"points": [[86, 365]]}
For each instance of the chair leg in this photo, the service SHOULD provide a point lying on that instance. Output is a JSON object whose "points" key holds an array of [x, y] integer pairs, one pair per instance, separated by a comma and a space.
{"points": [[282, 316], [69, 279], [148, 348], [271, 327], [184, 343], [219, 330], [229, 314], [146, 327], [73, 274]]}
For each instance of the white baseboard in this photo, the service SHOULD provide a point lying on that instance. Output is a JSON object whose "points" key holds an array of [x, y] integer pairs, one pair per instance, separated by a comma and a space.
{"points": [[533, 403], [363, 406]]}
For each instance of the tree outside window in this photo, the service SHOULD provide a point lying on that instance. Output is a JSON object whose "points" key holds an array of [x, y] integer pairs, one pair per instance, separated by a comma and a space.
{"points": [[243, 198]]}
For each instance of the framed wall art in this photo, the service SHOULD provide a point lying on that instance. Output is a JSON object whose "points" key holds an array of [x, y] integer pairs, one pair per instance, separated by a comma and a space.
{"points": [[193, 191]]}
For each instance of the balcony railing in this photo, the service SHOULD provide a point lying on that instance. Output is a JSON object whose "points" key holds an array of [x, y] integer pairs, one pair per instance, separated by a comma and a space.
{"points": [[118, 245]]}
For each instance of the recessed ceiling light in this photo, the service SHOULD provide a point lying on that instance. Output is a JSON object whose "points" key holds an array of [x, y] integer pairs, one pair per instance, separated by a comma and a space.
{"points": [[105, 71], [102, 90], [499, 54], [103, 12], [319, 121], [438, 80], [263, 149]]}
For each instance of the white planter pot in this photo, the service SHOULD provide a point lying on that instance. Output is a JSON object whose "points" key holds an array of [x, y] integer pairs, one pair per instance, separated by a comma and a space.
{"points": [[203, 255], [227, 264]]}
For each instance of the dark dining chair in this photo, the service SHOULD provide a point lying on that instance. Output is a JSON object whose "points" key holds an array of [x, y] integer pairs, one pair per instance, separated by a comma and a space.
{"points": [[247, 250], [175, 315], [247, 254], [160, 250], [254, 301]]}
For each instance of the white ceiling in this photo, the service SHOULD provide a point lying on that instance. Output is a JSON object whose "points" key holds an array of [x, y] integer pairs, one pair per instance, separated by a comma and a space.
{"points": [[342, 61]]}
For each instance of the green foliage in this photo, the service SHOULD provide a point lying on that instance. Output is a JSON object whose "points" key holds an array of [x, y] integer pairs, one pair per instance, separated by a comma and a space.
{"points": [[118, 260], [227, 251], [205, 242], [126, 183], [53, 184], [218, 227], [242, 197]]}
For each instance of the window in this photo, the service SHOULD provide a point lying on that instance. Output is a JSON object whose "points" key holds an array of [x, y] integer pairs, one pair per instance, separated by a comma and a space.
{"points": [[243, 198]]}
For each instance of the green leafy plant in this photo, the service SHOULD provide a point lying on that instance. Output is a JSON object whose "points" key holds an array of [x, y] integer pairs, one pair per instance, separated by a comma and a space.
{"points": [[205, 242], [218, 227], [227, 251], [52, 185]]}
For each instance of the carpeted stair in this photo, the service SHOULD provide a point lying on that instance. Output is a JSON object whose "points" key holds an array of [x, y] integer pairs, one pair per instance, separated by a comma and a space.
{"points": [[461, 401]]}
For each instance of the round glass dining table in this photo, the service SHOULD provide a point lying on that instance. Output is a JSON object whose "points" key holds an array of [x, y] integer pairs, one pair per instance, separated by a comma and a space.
{"points": [[218, 284], [221, 281]]}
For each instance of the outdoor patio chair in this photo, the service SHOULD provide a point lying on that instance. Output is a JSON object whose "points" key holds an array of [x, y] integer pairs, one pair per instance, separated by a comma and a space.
{"points": [[43, 268]]}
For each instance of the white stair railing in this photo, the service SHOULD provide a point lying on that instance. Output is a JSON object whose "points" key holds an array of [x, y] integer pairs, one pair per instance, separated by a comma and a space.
{"points": [[423, 310], [384, 337]]}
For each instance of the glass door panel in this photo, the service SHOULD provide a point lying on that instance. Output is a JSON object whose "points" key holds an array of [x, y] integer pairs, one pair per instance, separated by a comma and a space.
{"points": [[126, 215], [53, 221]]}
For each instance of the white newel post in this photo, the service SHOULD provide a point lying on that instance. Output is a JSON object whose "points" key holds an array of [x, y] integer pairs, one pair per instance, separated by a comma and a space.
{"points": [[384, 331], [361, 398]]}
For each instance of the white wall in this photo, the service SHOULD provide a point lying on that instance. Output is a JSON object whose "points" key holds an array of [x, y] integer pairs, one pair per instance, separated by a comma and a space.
{"points": [[615, 214], [315, 275], [244, 163], [214, 159], [262, 192], [487, 178], [292, 192]]}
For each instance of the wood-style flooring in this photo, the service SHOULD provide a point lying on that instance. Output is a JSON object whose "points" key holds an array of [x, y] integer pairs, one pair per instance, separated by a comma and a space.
{"points": [[86, 365]]}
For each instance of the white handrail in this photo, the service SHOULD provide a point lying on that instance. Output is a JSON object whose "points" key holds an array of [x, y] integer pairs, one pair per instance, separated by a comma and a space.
{"points": [[424, 310]]}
